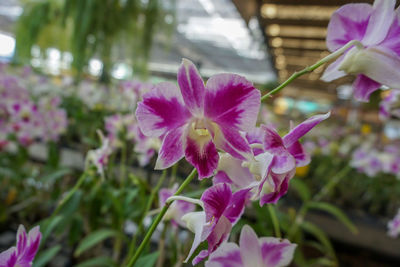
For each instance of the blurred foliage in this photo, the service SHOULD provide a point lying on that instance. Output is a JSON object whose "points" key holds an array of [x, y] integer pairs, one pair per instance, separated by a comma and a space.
{"points": [[110, 30]]}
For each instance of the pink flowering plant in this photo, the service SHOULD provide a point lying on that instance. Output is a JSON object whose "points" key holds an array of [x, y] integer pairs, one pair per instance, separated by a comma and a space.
{"points": [[211, 127]]}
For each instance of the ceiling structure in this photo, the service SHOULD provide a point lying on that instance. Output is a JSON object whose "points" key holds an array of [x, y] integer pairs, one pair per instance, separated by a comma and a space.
{"points": [[295, 33]]}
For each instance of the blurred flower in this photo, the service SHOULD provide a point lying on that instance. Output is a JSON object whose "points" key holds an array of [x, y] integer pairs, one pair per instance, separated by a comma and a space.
{"points": [[177, 209], [222, 209], [23, 254], [145, 146], [390, 105], [197, 119], [377, 27], [120, 128], [253, 252], [99, 157], [394, 226]]}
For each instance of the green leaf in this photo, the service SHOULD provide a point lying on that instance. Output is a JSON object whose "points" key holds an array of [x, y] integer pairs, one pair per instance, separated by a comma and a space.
{"points": [[301, 188], [52, 177], [320, 235], [44, 257], [48, 226], [93, 239], [148, 260], [100, 261], [335, 211]]}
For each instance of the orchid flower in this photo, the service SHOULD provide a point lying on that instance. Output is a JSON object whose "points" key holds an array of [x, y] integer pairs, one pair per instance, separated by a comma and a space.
{"points": [[377, 29], [145, 146], [253, 252], [177, 209], [394, 226], [196, 119], [390, 105], [274, 164], [23, 254], [99, 157], [222, 209]]}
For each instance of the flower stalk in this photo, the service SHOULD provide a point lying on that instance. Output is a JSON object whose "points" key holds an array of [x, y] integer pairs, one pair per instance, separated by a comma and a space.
{"points": [[313, 67], [158, 219]]}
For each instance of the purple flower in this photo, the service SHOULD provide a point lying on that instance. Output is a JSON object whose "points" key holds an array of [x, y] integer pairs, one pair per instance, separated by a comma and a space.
{"points": [[377, 28], [253, 251], [23, 254], [196, 119], [99, 157], [145, 146], [177, 209], [222, 209], [274, 164], [394, 226], [390, 105]]}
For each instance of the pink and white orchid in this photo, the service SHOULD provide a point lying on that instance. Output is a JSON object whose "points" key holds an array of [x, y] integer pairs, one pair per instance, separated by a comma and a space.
{"points": [[274, 164], [99, 157], [222, 209], [376, 60], [394, 226], [253, 252], [23, 254], [196, 119]]}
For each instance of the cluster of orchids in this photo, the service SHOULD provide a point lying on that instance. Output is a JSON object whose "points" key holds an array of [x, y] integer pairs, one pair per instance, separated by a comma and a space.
{"points": [[371, 161], [25, 118], [121, 96], [213, 126]]}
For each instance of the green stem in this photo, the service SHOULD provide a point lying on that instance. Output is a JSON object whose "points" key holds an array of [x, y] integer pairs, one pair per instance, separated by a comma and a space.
{"points": [[311, 68], [324, 191], [70, 194], [274, 219], [145, 212], [158, 219], [122, 166], [332, 183]]}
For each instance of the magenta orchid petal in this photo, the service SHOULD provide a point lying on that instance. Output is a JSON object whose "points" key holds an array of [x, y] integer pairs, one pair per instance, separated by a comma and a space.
{"points": [[219, 235], [303, 128], [250, 249], [25, 251], [363, 87], [380, 21], [232, 101], [227, 255], [162, 110], [233, 143], [8, 258], [348, 23], [276, 251], [277, 186], [22, 239], [236, 207], [192, 87], [283, 160], [216, 199], [300, 154], [392, 42], [221, 177], [171, 149], [200, 151]]}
